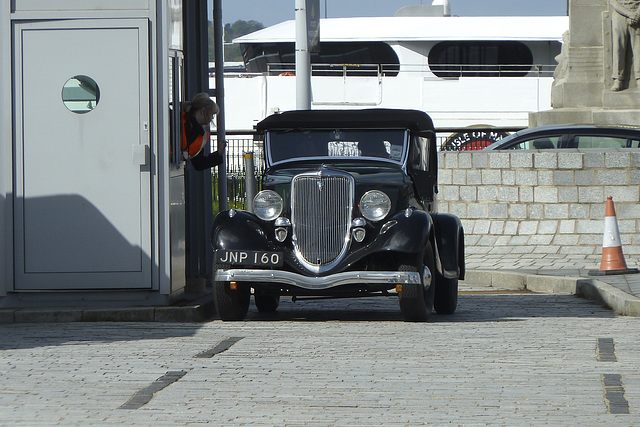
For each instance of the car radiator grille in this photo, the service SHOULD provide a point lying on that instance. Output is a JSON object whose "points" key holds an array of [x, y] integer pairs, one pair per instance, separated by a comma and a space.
{"points": [[321, 217]]}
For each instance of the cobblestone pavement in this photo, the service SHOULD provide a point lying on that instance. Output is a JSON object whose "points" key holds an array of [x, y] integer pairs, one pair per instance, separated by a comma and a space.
{"points": [[502, 359]]}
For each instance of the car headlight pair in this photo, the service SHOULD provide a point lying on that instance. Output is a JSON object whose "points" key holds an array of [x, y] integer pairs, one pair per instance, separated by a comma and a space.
{"points": [[374, 205]]}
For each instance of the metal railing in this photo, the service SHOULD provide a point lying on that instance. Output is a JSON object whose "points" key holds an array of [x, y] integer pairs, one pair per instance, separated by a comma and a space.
{"points": [[237, 146], [382, 70]]}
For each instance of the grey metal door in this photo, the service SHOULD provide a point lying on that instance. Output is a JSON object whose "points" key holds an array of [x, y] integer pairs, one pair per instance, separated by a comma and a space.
{"points": [[82, 171]]}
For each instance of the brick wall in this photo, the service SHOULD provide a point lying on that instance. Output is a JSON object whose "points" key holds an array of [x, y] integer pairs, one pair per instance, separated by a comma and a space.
{"points": [[541, 203]]}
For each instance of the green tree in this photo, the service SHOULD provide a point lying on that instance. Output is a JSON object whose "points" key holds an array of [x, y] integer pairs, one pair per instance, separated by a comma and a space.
{"points": [[232, 31]]}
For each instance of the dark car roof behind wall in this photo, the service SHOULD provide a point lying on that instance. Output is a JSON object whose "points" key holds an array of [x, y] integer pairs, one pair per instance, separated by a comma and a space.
{"points": [[380, 118]]}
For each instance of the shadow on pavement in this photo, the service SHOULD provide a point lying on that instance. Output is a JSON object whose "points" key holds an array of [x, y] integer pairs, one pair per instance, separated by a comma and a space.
{"points": [[471, 308], [33, 335]]}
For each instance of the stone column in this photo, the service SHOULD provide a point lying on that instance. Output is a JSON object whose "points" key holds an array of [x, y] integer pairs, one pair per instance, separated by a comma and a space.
{"points": [[579, 75], [581, 91]]}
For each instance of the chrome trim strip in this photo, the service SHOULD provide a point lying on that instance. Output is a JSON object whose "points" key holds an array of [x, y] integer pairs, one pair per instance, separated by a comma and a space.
{"points": [[319, 283]]}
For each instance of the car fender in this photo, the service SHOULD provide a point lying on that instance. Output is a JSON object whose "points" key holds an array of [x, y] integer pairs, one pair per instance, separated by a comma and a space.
{"points": [[409, 234], [239, 230], [449, 245]]}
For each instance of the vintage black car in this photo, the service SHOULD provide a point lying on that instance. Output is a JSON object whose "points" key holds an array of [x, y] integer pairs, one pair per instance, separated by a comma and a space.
{"points": [[346, 210]]}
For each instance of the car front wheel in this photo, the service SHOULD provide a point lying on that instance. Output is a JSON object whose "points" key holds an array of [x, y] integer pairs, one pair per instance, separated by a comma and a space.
{"points": [[231, 304], [415, 303]]}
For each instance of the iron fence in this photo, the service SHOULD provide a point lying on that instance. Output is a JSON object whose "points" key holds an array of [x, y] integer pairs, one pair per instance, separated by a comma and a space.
{"points": [[237, 147]]}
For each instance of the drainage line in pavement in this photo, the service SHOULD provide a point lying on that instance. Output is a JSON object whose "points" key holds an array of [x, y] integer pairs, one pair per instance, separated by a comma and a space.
{"points": [[222, 346], [606, 350], [614, 394], [145, 395]]}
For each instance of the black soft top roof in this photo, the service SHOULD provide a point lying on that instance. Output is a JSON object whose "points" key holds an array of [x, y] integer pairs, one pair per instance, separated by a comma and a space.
{"points": [[379, 118]]}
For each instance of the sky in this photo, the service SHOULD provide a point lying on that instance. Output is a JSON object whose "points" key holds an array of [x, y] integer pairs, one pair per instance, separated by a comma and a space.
{"points": [[271, 12]]}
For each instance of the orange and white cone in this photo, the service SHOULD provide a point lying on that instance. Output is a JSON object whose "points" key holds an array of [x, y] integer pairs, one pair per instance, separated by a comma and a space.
{"points": [[612, 258]]}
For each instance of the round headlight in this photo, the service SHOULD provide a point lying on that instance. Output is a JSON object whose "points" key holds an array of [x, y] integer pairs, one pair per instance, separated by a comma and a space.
{"points": [[267, 205], [375, 205]]}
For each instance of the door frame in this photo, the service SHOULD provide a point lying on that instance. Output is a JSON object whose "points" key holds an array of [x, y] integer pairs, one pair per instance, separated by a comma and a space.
{"points": [[146, 278]]}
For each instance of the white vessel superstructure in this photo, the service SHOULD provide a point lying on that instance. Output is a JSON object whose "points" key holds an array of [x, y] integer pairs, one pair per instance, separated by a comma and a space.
{"points": [[462, 71]]}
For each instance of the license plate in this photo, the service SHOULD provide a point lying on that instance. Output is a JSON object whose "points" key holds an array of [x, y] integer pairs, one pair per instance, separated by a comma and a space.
{"points": [[254, 258]]}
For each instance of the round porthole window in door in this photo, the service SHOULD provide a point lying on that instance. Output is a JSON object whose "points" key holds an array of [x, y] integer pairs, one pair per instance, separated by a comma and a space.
{"points": [[80, 94]]}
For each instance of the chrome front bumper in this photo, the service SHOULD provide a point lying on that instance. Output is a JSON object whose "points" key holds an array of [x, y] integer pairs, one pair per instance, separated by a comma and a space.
{"points": [[325, 282]]}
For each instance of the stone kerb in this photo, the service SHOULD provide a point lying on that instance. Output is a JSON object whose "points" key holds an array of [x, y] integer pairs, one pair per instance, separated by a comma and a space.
{"points": [[541, 203]]}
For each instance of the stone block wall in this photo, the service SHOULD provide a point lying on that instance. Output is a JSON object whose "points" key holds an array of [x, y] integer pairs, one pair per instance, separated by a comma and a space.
{"points": [[541, 203]]}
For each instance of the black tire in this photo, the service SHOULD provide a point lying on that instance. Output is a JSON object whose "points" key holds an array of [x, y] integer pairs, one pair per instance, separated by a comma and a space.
{"points": [[266, 303], [415, 304], [412, 299], [231, 305], [429, 262], [446, 294]]}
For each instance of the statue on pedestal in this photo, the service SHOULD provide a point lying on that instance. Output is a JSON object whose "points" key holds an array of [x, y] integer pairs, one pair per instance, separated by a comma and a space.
{"points": [[625, 33]]}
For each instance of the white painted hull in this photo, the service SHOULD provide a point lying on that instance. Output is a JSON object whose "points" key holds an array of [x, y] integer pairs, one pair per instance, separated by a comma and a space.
{"points": [[455, 103]]}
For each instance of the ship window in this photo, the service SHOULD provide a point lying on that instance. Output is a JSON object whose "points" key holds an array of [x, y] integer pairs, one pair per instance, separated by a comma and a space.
{"points": [[333, 59], [480, 59]]}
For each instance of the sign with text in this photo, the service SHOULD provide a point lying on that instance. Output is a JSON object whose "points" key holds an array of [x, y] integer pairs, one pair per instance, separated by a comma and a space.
{"points": [[472, 139]]}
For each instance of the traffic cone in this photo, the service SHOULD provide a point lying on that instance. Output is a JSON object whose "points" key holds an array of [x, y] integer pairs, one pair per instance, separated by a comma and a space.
{"points": [[612, 258]]}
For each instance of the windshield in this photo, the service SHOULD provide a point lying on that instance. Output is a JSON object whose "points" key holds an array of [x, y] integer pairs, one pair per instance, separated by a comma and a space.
{"points": [[386, 145]]}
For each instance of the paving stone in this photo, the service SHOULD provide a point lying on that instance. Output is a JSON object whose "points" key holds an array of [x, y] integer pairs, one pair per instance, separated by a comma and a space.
{"points": [[501, 359]]}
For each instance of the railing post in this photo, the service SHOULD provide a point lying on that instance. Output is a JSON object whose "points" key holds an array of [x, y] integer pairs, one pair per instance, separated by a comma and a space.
{"points": [[250, 180]]}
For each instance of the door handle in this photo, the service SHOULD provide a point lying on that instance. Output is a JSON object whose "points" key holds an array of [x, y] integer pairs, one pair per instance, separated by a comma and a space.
{"points": [[140, 154]]}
